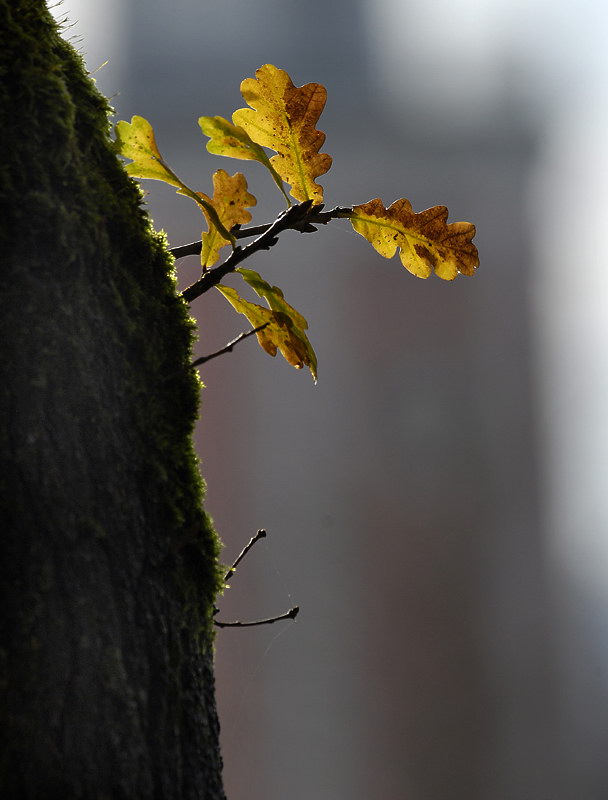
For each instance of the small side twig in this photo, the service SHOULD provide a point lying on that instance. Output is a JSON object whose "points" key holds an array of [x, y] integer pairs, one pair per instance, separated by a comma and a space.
{"points": [[259, 535], [291, 614], [228, 348], [194, 248], [316, 217]]}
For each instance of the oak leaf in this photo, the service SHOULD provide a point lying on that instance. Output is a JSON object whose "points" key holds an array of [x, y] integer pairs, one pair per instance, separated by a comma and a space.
{"points": [[285, 327], [283, 117], [230, 200], [226, 139], [136, 140], [273, 296], [426, 242]]}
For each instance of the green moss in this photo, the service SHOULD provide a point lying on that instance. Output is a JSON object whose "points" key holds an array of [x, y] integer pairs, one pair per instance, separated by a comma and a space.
{"points": [[80, 185], [109, 565]]}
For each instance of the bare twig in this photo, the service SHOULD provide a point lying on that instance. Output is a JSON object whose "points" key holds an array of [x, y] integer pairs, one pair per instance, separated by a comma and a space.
{"points": [[194, 248], [183, 250], [259, 535], [291, 614], [228, 348]]}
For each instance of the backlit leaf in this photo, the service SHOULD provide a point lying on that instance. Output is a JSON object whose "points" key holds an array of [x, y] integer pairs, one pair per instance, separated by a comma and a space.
{"points": [[136, 140], [273, 296], [230, 200], [285, 329], [426, 242], [283, 117], [226, 139]]}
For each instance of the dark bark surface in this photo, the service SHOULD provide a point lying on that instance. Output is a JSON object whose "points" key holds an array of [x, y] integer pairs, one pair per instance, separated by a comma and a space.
{"points": [[108, 563]]}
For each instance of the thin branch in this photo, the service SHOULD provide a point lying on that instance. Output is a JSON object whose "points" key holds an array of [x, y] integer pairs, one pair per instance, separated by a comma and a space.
{"points": [[316, 217], [228, 348], [259, 535], [210, 278], [183, 250], [302, 217], [291, 614], [194, 248]]}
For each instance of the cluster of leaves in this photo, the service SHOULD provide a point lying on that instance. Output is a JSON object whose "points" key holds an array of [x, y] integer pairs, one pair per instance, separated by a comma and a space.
{"points": [[282, 118]]}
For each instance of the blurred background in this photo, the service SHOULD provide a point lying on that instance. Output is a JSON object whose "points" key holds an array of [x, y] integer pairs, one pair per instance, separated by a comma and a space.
{"points": [[438, 503]]}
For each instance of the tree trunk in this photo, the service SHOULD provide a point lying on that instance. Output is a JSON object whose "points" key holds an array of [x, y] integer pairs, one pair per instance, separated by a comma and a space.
{"points": [[108, 565]]}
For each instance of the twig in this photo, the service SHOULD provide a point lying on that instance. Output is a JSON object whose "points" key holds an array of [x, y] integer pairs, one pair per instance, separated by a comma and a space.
{"points": [[297, 217], [291, 614], [194, 248], [183, 250], [263, 242], [228, 348], [259, 535], [316, 217]]}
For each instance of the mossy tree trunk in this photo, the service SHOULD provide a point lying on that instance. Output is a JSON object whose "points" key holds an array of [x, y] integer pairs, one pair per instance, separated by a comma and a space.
{"points": [[108, 568]]}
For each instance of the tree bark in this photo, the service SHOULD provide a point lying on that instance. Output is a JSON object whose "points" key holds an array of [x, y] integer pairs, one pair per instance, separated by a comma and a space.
{"points": [[109, 565]]}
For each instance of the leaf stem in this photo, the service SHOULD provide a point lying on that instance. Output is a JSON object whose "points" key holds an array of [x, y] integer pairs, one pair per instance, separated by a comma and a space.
{"points": [[208, 207]]}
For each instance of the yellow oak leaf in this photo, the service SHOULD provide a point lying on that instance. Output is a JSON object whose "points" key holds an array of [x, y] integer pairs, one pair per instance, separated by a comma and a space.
{"points": [[426, 242], [273, 296], [283, 331], [230, 201], [136, 140], [283, 117], [226, 139]]}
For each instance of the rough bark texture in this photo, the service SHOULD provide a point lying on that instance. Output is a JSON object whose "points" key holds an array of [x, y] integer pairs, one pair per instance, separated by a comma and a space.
{"points": [[108, 566]]}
